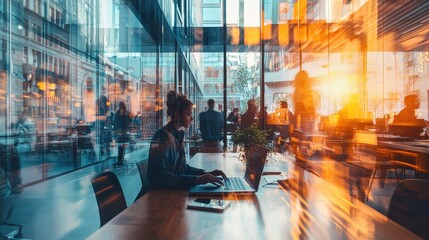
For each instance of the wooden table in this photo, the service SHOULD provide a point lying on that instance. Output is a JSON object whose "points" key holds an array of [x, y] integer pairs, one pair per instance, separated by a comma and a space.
{"points": [[312, 209], [419, 147]]}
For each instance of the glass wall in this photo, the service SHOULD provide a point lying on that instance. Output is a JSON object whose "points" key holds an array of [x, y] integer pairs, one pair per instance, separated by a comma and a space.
{"points": [[64, 69], [348, 55], [336, 79], [354, 77], [329, 78]]}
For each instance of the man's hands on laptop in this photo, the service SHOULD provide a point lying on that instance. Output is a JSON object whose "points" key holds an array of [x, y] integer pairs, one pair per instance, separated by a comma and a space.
{"points": [[219, 173], [212, 177]]}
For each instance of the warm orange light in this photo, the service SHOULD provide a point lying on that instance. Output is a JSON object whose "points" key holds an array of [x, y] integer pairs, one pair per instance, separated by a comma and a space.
{"points": [[51, 94], [267, 31], [300, 10], [251, 36], [235, 35], [317, 32], [52, 86], [283, 34], [41, 86], [300, 33]]}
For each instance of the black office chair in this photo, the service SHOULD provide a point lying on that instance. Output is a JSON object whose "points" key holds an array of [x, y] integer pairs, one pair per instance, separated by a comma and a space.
{"points": [[109, 195], [387, 159], [7, 200], [409, 206], [142, 166]]}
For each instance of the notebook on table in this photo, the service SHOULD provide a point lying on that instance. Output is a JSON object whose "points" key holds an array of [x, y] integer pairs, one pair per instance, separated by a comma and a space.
{"points": [[273, 179], [248, 184], [272, 171]]}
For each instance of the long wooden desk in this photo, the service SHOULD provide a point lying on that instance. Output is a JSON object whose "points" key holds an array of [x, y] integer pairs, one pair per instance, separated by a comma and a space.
{"points": [[311, 209]]}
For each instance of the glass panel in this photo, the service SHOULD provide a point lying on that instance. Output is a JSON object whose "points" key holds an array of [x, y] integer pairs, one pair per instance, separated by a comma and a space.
{"points": [[65, 72], [348, 74], [243, 67], [342, 80]]}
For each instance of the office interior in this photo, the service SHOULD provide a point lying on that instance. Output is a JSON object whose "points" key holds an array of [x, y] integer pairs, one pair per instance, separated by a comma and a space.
{"points": [[66, 65]]}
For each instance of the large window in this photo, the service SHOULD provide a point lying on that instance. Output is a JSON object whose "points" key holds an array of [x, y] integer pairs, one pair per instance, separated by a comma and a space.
{"points": [[340, 67], [70, 69]]}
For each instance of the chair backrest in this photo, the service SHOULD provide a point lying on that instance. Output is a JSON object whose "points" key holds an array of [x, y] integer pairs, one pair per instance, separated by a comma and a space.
{"points": [[6, 198], [142, 166], [109, 195], [409, 206]]}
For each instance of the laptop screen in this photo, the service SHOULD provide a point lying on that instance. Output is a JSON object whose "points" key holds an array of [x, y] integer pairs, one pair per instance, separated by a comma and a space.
{"points": [[255, 161]]}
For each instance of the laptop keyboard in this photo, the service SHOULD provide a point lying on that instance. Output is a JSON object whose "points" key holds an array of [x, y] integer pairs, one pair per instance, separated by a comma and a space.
{"points": [[234, 184]]}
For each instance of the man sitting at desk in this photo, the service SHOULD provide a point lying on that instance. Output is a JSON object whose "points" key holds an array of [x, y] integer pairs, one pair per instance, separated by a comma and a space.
{"points": [[284, 120], [406, 123], [234, 116], [250, 117], [407, 115]]}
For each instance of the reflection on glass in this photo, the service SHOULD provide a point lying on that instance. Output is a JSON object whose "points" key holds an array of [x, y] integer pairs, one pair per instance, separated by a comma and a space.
{"points": [[345, 69]]}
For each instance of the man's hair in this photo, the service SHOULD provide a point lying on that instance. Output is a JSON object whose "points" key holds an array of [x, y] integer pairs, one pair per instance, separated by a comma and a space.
{"points": [[211, 103], [251, 102], [410, 98]]}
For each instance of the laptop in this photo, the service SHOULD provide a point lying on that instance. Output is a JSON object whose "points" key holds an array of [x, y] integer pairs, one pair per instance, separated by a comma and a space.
{"points": [[255, 161], [408, 129]]}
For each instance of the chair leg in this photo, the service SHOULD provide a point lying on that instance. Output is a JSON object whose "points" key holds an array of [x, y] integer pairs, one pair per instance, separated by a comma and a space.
{"points": [[383, 177], [396, 174], [371, 180]]}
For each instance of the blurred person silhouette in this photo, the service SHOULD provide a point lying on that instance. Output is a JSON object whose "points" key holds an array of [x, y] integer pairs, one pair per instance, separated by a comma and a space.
{"points": [[167, 166], [352, 109], [211, 125], [121, 122], [234, 116], [137, 122], [348, 118], [304, 102], [102, 104], [286, 119], [250, 117], [408, 115], [23, 126]]}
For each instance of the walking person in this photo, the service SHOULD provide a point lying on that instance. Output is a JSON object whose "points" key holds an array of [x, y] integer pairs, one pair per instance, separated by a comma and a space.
{"points": [[211, 125], [121, 122]]}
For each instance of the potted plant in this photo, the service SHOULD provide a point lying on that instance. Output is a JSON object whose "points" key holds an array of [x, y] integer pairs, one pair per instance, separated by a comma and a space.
{"points": [[247, 137]]}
